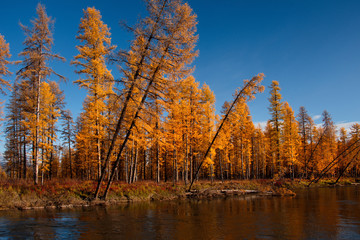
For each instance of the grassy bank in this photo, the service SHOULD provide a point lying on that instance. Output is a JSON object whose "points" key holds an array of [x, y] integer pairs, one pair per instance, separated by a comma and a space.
{"points": [[15, 194]]}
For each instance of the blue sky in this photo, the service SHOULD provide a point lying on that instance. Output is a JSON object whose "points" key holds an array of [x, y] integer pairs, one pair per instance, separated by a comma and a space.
{"points": [[311, 47]]}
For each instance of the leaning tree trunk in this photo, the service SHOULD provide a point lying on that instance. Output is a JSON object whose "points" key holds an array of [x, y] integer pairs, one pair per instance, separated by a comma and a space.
{"points": [[129, 131], [221, 125], [126, 103], [343, 171], [334, 161], [36, 155]]}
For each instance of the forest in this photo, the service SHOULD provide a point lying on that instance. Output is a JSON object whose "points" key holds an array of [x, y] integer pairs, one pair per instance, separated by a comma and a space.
{"points": [[156, 122]]}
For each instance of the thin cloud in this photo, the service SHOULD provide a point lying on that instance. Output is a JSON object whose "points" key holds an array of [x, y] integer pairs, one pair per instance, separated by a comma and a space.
{"points": [[346, 125], [338, 125], [261, 124], [316, 117]]}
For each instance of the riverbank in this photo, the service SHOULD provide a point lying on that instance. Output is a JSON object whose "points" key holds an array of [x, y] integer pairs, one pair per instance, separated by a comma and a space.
{"points": [[17, 194]]}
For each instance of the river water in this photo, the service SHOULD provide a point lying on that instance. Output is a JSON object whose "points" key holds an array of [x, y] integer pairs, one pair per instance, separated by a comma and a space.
{"points": [[324, 213]]}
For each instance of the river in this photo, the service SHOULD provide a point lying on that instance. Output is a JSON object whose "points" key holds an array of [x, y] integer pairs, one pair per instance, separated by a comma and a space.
{"points": [[322, 213]]}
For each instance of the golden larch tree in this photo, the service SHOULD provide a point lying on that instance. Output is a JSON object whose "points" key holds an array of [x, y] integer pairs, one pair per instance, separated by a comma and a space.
{"points": [[305, 127], [4, 70], [276, 122], [95, 38], [290, 140], [35, 70]]}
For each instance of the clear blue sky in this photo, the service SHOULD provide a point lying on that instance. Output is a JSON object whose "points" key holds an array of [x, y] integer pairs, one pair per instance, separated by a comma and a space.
{"points": [[311, 47]]}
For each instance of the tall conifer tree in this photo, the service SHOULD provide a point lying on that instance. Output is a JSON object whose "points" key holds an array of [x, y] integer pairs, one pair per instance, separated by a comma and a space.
{"points": [[98, 81], [35, 70]]}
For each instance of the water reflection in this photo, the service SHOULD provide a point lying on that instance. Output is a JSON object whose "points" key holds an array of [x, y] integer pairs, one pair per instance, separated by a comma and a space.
{"points": [[313, 214]]}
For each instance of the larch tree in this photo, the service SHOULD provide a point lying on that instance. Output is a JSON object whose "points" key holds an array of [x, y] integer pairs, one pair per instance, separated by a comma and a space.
{"points": [[269, 150], [259, 146], [328, 144], [56, 108], [50, 108], [67, 135], [241, 131], [12, 146], [305, 125], [37, 53], [153, 126], [290, 139], [246, 93], [355, 137], [17, 134], [174, 126], [47, 136], [12, 153], [276, 122], [4, 70], [207, 121], [222, 145], [315, 159], [98, 81], [341, 145], [189, 114]]}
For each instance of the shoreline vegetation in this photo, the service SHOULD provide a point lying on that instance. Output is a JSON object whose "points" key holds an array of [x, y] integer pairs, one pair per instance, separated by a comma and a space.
{"points": [[23, 195]]}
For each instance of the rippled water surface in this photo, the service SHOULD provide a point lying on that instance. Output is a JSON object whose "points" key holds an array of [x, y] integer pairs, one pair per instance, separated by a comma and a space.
{"points": [[326, 213]]}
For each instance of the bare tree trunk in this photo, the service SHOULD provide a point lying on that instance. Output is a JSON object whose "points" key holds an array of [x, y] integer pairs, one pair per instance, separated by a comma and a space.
{"points": [[151, 166], [70, 160], [134, 173], [18, 148], [165, 166], [157, 162], [144, 167], [24, 153], [36, 155], [242, 159], [191, 162], [132, 160], [42, 166], [51, 152], [186, 161], [174, 166], [257, 161], [230, 171], [126, 167], [176, 169], [97, 134], [221, 167]]}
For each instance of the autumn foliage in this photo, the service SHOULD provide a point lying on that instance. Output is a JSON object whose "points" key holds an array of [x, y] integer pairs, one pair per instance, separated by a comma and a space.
{"points": [[156, 122]]}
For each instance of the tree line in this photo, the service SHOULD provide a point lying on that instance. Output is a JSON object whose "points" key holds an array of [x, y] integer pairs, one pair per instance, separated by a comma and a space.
{"points": [[155, 122]]}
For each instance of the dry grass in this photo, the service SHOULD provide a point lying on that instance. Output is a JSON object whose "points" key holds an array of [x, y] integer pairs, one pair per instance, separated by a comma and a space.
{"points": [[59, 193]]}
